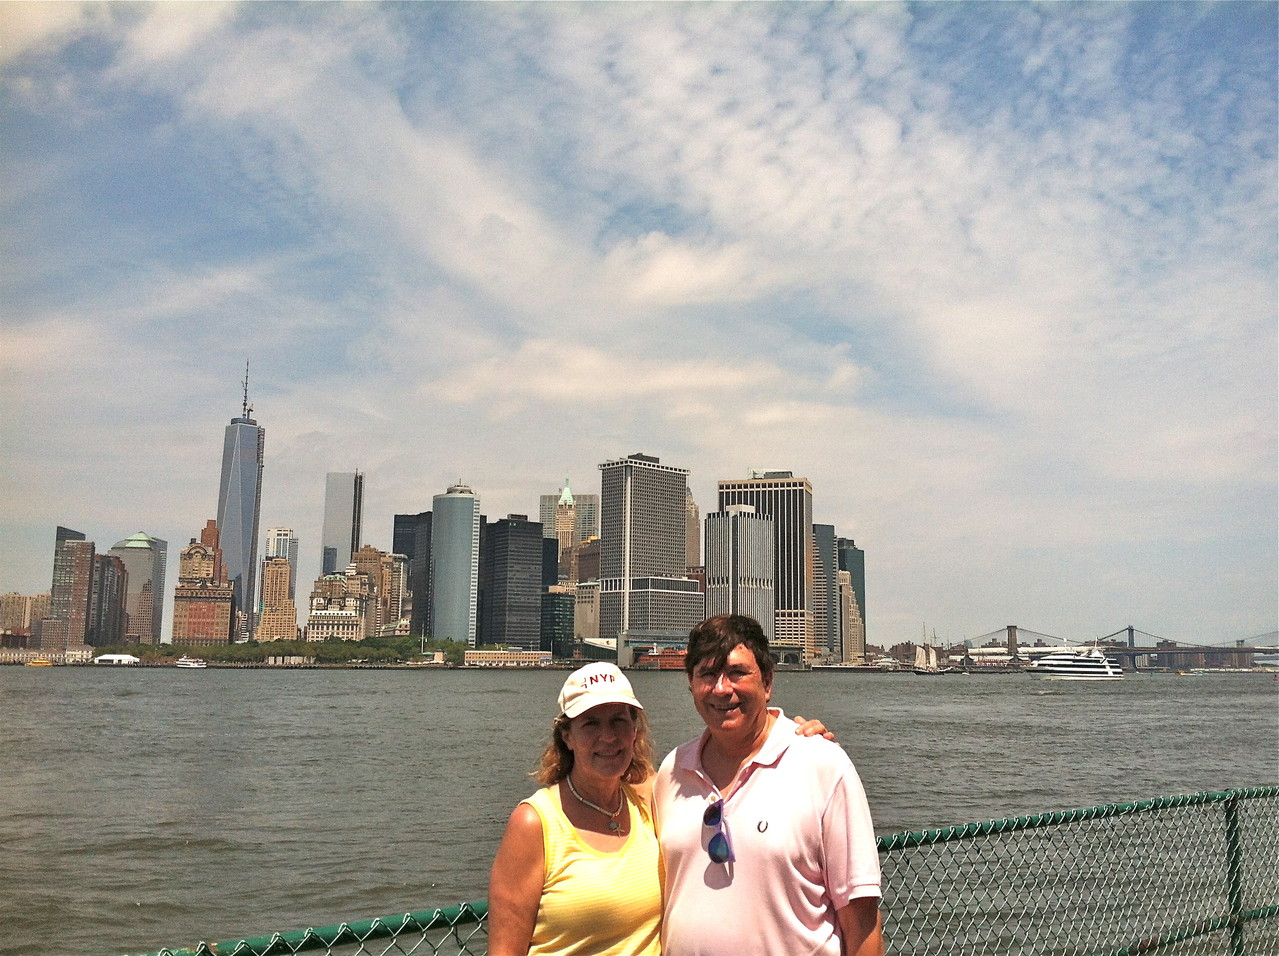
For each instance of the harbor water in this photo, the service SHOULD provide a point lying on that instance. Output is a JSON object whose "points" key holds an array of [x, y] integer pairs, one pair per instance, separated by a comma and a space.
{"points": [[143, 807]]}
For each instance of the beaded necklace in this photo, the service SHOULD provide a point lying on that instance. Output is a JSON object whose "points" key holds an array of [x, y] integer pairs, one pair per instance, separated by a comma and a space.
{"points": [[611, 814]]}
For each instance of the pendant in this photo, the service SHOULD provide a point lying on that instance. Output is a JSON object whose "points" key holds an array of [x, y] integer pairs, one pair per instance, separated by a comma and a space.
{"points": [[614, 825]]}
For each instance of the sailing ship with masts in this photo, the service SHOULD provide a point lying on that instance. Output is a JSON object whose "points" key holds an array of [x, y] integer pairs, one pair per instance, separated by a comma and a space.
{"points": [[926, 664]]}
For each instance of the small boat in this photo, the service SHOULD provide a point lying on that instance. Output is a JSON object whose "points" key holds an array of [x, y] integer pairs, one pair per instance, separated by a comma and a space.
{"points": [[39, 662], [1091, 664], [191, 662]]}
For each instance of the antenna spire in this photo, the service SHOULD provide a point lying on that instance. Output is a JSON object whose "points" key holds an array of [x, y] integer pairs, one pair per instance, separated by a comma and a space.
{"points": [[245, 383]]}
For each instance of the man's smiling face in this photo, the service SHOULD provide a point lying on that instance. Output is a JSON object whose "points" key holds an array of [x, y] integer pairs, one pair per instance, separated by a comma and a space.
{"points": [[733, 700]]}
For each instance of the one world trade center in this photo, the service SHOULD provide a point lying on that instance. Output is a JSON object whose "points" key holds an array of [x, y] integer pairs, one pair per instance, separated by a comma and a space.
{"points": [[239, 500]]}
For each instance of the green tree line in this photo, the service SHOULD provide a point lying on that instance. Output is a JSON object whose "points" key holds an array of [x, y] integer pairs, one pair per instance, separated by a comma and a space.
{"points": [[373, 650]]}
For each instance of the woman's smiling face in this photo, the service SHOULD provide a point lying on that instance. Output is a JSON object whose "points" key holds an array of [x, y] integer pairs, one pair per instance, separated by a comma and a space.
{"points": [[602, 740]]}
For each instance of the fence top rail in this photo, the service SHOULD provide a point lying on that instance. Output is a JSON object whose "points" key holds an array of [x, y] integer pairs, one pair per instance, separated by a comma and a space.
{"points": [[908, 839], [325, 937], [384, 927]]}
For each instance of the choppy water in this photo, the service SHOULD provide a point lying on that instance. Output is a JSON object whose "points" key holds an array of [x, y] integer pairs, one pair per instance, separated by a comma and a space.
{"points": [[150, 807]]}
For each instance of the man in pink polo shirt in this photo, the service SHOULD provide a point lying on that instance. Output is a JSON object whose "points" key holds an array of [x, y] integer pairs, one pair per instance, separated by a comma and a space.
{"points": [[766, 836]]}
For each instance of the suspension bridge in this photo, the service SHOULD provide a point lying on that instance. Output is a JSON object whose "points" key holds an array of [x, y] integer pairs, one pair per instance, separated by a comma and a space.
{"points": [[1135, 647]]}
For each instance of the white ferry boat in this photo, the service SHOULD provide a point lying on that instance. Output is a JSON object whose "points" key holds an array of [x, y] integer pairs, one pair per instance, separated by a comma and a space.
{"points": [[1091, 664], [191, 662]]}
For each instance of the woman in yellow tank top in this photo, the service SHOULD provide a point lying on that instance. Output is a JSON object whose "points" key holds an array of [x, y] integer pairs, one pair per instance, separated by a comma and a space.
{"points": [[577, 871]]}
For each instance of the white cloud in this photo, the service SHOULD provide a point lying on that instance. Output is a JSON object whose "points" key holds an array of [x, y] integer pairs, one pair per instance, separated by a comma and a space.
{"points": [[36, 25]]}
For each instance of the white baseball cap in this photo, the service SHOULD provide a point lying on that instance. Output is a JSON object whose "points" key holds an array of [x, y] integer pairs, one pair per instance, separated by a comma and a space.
{"points": [[595, 684]]}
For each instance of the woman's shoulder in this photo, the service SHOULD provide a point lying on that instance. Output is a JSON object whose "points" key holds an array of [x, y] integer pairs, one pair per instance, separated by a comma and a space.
{"points": [[540, 804]]}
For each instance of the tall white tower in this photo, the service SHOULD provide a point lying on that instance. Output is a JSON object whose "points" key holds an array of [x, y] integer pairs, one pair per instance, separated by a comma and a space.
{"points": [[455, 565]]}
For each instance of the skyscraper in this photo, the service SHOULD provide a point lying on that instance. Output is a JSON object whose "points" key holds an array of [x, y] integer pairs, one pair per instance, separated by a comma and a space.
{"points": [[570, 519], [70, 598], [852, 631], [106, 606], [789, 502], [692, 531], [204, 600], [643, 600], [739, 565], [279, 618], [853, 560], [586, 511], [826, 616], [239, 503], [411, 537], [511, 583], [343, 517], [145, 559], [455, 565], [283, 543]]}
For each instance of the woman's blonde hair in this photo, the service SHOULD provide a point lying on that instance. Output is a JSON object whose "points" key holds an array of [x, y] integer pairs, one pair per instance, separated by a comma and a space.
{"points": [[557, 759]]}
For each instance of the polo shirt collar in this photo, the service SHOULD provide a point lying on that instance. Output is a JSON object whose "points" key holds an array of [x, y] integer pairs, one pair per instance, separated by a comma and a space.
{"points": [[775, 744]]}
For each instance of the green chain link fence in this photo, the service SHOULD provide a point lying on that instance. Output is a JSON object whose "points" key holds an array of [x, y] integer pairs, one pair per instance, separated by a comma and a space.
{"points": [[1194, 875]]}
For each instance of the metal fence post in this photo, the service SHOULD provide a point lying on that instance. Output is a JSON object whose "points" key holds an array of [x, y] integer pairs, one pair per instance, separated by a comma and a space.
{"points": [[1234, 876]]}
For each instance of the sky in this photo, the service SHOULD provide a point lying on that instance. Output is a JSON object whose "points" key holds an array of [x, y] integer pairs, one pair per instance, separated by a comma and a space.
{"points": [[999, 279]]}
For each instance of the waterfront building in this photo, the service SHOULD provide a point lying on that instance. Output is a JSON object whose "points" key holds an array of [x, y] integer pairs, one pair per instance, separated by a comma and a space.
{"points": [[643, 522], [71, 595], [18, 612], [15, 611], [411, 537], [558, 609], [455, 565], [343, 519], [853, 560], [739, 565], [510, 585], [506, 658], [204, 600], [789, 502], [283, 543], [107, 614], [239, 505], [279, 618], [146, 559]]}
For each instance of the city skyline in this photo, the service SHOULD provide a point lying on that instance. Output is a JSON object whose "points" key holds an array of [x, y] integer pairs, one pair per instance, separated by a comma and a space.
{"points": [[998, 279]]}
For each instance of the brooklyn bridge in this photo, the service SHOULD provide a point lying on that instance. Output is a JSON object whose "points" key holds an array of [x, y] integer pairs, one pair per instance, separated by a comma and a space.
{"points": [[1135, 648]]}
